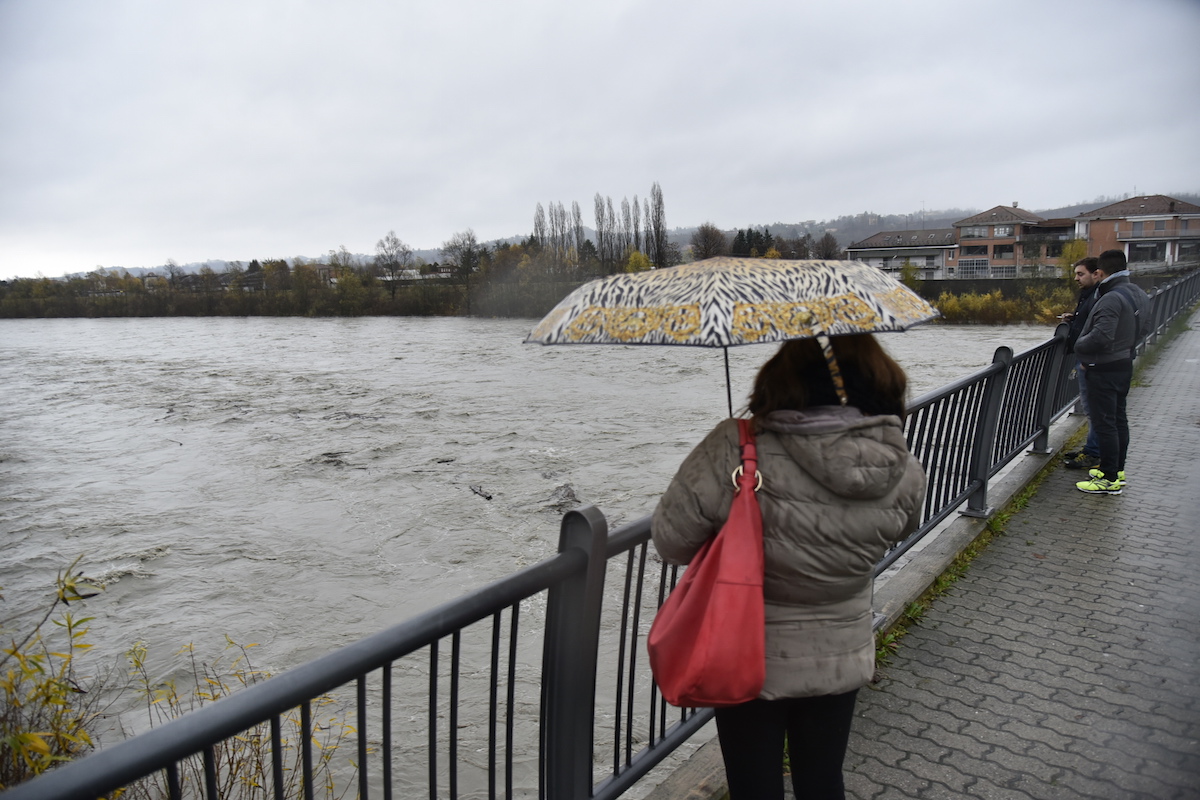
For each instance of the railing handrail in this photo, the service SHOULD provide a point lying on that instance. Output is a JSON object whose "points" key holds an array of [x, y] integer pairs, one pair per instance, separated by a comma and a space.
{"points": [[964, 439]]}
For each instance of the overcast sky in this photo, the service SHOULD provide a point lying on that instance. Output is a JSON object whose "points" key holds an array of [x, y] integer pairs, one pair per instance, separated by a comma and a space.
{"points": [[136, 131]]}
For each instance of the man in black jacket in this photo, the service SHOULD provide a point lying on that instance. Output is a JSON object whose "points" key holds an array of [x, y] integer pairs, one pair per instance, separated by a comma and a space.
{"points": [[1085, 276], [1105, 347]]}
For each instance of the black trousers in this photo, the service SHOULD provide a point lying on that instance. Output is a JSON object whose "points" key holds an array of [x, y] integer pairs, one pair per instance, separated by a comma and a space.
{"points": [[1108, 390], [817, 729]]}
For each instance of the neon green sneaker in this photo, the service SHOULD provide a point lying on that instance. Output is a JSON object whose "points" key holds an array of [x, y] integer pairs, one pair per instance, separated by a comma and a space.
{"points": [[1097, 473], [1099, 485]]}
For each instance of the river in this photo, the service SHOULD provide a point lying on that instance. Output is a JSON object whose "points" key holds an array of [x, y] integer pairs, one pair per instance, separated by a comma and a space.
{"points": [[302, 483]]}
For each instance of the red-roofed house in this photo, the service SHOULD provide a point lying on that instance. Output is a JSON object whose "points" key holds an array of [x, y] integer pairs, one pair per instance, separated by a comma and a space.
{"points": [[1153, 230]]}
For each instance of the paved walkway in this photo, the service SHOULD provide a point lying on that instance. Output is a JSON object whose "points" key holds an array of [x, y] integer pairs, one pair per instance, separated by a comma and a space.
{"points": [[1066, 663]]}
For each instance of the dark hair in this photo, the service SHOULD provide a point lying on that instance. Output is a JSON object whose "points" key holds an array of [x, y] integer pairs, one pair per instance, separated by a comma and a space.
{"points": [[797, 377], [1112, 261], [1091, 263]]}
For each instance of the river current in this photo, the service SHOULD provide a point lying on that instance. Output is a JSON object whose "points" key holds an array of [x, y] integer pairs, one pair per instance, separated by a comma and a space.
{"points": [[302, 483]]}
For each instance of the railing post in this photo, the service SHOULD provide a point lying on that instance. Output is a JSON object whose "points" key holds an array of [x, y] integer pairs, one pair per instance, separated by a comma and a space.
{"points": [[1048, 391], [985, 437], [569, 660]]}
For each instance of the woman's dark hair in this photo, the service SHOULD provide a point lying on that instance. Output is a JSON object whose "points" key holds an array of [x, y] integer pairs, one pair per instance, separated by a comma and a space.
{"points": [[797, 377]]}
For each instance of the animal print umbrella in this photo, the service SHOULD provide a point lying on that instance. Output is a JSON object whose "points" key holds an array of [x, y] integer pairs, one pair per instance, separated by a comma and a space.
{"points": [[723, 302]]}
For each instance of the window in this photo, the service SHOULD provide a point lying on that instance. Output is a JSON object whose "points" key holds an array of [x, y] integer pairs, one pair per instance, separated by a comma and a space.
{"points": [[975, 232], [974, 250], [1031, 249], [1054, 250], [1148, 251], [1002, 251], [1009, 271], [1137, 229], [929, 261], [1160, 224], [1003, 230]]}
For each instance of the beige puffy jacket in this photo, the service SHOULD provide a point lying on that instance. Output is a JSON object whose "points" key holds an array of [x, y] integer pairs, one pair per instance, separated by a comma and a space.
{"points": [[838, 489]]}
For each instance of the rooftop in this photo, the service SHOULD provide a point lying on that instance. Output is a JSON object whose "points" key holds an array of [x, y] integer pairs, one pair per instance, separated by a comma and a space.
{"points": [[1143, 205]]}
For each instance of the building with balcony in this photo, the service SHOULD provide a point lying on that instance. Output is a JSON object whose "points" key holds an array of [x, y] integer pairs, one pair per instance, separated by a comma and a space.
{"points": [[927, 250], [1153, 231], [1002, 242], [1008, 242]]}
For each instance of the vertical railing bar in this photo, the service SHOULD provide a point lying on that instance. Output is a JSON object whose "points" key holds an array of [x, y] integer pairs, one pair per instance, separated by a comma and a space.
{"points": [[941, 454], [385, 724], [511, 700], [174, 790], [622, 643], [433, 699], [306, 760], [277, 757], [633, 651], [210, 773], [363, 785], [452, 753], [493, 701]]}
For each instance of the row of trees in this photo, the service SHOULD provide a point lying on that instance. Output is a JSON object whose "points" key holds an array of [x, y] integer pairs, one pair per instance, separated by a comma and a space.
{"points": [[633, 238], [709, 241]]}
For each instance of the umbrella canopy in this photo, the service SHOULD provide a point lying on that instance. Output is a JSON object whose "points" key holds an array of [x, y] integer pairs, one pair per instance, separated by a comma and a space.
{"points": [[722, 302]]}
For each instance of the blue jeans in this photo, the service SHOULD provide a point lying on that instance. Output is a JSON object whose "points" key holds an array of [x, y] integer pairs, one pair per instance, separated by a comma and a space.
{"points": [[1092, 445], [1108, 388]]}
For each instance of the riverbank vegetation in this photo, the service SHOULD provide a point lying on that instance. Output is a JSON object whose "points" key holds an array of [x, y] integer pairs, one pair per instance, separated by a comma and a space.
{"points": [[1040, 304], [54, 708], [510, 281]]}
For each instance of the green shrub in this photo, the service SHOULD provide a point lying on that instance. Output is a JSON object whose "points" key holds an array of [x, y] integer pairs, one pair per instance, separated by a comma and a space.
{"points": [[47, 706]]}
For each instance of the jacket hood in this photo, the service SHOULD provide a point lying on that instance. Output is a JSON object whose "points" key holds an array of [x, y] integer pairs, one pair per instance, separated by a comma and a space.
{"points": [[850, 454]]}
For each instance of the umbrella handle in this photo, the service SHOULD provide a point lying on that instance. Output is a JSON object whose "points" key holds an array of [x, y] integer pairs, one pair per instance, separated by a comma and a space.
{"points": [[728, 385], [835, 372]]}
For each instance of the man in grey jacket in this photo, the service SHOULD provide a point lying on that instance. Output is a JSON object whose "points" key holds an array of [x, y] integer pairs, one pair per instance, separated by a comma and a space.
{"points": [[1105, 350]]}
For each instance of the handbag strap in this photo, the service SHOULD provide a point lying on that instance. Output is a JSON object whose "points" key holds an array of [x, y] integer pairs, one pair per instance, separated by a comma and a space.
{"points": [[749, 452]]}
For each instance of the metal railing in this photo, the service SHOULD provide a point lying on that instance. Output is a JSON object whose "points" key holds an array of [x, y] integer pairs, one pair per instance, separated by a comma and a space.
{"points": [[537, 685]]}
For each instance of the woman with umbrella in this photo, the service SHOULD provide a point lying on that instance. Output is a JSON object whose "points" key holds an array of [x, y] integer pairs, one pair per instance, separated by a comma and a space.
{"points": [[839, 487]]}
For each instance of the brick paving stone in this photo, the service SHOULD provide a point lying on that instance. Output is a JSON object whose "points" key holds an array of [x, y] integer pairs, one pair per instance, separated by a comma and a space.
{"points": [[1066, 662]]}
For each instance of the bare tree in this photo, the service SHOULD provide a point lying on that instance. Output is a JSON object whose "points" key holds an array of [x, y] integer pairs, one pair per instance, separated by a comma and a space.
{"points": [[601, 244], [657, 245], [828, 248], [392, 256], [462, 251], [709, 241], [577, 226], [637, 225], [539, 226], [626, 227]]}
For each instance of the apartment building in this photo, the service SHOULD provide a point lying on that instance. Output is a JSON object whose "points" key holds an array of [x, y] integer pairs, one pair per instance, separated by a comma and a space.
{"points": [[1153, 230]]}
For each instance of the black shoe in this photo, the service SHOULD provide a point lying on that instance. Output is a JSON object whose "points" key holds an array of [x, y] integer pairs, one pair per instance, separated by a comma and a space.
{"points": [[1082, 461]]}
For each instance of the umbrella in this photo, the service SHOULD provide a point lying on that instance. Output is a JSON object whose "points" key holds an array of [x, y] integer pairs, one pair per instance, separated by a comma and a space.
{"points": [[723, 302]]}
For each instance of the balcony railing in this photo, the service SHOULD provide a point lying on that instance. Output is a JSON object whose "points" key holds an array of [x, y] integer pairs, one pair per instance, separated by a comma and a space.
{"points": [[537, 684], [1170, 233]]}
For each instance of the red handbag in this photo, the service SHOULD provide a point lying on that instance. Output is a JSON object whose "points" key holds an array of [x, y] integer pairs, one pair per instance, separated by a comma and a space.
{"points": [[707, 643]]}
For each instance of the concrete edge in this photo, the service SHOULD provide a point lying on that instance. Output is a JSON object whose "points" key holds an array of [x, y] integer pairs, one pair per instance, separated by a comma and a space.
{"points": [[702, 775], [910, 581]]}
